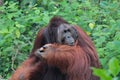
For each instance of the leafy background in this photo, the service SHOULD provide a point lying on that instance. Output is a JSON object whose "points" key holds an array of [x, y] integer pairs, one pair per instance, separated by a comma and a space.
{"points": [[20, 21]]}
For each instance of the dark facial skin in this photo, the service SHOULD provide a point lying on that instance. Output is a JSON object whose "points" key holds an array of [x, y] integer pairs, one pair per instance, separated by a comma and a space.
{"points": [[67, 38], [67, 34]]}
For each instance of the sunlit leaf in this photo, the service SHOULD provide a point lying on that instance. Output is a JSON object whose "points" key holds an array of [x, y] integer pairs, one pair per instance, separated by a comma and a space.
{"points": [[17, 33], [91, 25], [103, 74], [114, 66]]}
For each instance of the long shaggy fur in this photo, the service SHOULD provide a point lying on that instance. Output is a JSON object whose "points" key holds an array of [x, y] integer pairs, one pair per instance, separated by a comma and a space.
{"points": [[63, 62]]}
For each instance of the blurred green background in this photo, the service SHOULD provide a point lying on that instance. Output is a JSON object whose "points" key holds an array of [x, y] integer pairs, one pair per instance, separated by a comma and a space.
{"points": [[20, 21]]}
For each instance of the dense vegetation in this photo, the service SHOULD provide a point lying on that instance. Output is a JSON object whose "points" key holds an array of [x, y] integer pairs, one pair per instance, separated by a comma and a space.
{"points": [[20, 20]]}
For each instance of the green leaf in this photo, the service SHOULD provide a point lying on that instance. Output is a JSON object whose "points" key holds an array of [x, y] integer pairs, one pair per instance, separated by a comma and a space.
{"points": [[17, 33], [114, 66], [103, 74], [4, 31], [46, 17], [19, 25], [91, 25], [37, 11]]}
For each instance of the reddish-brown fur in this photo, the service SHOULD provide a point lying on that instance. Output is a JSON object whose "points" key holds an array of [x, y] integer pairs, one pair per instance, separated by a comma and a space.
{"points": [[50, 31], [72, 64]]}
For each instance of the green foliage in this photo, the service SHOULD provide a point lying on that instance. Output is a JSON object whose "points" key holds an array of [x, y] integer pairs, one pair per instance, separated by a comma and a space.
{"points": [[111, 73], [21, 20]]}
